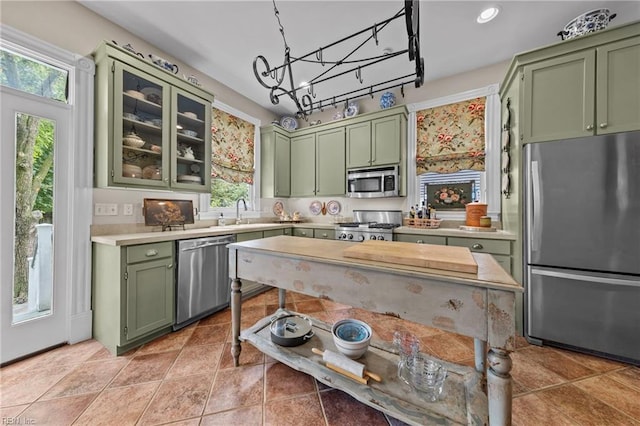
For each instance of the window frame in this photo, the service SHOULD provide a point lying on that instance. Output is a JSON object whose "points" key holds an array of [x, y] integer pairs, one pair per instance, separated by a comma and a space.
{"points": [[490, 179], [206, 211]]}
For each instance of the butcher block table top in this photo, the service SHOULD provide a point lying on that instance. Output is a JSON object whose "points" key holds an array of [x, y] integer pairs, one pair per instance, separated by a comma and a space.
{"points": [[434, 256], [489, 273]]}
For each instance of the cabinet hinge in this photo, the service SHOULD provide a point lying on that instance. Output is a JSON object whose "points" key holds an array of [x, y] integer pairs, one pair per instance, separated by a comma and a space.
{"points": [[126, 275], [113, 67], [126, 332], [522, 76], [112, 173]]}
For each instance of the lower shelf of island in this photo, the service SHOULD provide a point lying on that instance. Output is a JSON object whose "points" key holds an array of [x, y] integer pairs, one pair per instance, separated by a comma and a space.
{"points": [[463, 401]]}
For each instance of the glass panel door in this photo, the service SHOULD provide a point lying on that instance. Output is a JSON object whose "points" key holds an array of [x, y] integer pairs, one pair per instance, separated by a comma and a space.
{"points": [[141, 128], [33, 234]]}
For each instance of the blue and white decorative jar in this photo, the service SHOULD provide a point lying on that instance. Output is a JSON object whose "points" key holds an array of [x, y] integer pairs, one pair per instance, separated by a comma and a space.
{"points": [[387, 100]]}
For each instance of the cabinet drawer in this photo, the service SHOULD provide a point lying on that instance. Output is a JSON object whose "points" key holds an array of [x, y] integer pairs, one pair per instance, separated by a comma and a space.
{"points": [[504, 261], [303, 232], [273, 232], [145, 252], [482, 245], [327, 234], [420, 239], [246, 236]]}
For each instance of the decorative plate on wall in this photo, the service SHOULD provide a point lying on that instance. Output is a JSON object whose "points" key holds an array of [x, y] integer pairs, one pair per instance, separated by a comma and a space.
{"points": [[289, 123], [315, 207], [333, 207], [278, 208]]}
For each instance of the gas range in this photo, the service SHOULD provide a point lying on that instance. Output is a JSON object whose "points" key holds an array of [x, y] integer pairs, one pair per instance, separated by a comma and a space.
{"points": [[370, 225]]}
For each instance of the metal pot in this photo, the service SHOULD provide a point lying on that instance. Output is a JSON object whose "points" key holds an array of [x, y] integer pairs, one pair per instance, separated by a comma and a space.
{"points": [[291, 330]]}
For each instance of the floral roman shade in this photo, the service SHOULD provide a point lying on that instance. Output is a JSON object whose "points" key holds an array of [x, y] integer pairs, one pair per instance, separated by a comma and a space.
{"points": [[450, 138], [231, 148]]}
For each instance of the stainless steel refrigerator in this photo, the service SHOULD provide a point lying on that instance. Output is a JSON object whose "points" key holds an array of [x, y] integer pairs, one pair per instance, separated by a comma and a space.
{"points": [[582, 244]]}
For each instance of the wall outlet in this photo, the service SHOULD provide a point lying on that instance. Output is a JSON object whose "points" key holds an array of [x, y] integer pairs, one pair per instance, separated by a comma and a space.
{"points": [[112, 209], [127, 209]]}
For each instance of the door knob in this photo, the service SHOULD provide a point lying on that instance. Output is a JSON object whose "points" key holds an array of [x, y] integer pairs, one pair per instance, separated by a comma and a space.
{"points": [[477, 246]]}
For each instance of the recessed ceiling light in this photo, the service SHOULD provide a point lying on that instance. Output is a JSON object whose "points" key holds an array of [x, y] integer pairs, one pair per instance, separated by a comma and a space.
{"points": [[488, 14]]}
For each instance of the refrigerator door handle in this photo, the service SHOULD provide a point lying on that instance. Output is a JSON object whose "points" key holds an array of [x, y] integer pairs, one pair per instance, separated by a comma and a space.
{"points": [[590, 278], [535, 220]]}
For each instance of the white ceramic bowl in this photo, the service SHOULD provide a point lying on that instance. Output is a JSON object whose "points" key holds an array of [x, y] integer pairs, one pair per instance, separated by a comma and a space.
{"points": [[351, 337], [135, 94], [132, 140], [189, 179], [191, 115], [132, 171], [191, 133]]}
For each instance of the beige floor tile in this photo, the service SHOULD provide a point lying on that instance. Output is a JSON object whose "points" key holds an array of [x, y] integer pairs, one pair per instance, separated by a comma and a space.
{"points": [[121, 405], [299, 411], [530, 375], [605, 388], [245, 416], [18, 386], [556, 361], [529, 410], [193, 360], [169, 342], [284, 382], [146, 368], [249, 355], [57, 412], [178, 399], [236, 387], [89, 377], [630, 376], [209, 335]]}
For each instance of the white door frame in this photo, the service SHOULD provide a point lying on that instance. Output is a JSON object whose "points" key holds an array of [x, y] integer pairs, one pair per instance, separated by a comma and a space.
{"points": [[77, 169]]}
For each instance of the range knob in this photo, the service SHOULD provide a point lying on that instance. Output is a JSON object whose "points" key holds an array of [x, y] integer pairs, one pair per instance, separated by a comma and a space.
{"points": [[373, 237], [361, 238], [342, 236], [350, 237], [381, 237]]}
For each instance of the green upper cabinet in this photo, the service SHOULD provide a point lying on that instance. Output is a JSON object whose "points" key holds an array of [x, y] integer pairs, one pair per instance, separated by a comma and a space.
{"points": [[618, 86], [376, 142], [303, 165], [275, 160], [152, 128], [559, 97], [318, 164], [330, 162], [585, 86]]}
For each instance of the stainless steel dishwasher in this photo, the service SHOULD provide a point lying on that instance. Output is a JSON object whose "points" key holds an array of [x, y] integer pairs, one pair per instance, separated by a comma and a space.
{"points": [[203, 285]]}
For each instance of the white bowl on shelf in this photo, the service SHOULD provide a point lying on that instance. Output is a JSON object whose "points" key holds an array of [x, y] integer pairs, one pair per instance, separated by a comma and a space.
{"points": [[191, 133], [132, 140], [351, 337], [132, 171], [189, 179], [135, 94], [191, 115]]}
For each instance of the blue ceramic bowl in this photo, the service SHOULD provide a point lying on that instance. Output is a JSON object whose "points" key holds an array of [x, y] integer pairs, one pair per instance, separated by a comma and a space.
{"points": [[351, 337], [387, 100]]}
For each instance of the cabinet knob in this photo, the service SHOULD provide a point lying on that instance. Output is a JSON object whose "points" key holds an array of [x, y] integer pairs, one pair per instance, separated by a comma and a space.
{"points": [[477, 246], [169, 266], [166, 180], [590, 127], [419, 242], [324, 235], [603, 125]]}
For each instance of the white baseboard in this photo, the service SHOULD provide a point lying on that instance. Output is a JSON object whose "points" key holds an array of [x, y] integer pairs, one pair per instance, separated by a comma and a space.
{"points": [[81, 327]]}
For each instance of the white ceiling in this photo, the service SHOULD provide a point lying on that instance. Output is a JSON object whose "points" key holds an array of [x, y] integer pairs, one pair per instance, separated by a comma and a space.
{"points": [[222, 38]]}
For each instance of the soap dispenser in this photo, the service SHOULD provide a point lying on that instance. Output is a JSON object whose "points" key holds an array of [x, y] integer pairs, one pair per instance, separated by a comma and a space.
{"points": [[221, 221]]}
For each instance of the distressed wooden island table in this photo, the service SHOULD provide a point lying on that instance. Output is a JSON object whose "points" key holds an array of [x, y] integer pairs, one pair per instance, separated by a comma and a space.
{"points": [[481, 306]]}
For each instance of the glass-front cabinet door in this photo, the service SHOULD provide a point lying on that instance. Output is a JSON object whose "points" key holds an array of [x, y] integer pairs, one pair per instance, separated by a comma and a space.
{"points": [[191, 150], [142, 123]]}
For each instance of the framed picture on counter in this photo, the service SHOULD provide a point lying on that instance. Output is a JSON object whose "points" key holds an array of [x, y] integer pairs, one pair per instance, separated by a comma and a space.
{"points": [[449, 195], [167, 213]]}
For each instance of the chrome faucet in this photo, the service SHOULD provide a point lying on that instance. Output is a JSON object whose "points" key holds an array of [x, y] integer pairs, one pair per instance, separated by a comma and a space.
{"points": [[238, 216]]}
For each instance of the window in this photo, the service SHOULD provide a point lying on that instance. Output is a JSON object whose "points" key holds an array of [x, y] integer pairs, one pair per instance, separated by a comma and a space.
{"points": [[234, 153], [477, 184]]}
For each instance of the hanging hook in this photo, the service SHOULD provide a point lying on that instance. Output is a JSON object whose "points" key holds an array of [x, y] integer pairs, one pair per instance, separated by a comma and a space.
{"points": [[371, 91], [375, 33], [402, 89], [311, 91], [333, 102], [320, 107], [319, 56], [359, 74], [346, 103]]}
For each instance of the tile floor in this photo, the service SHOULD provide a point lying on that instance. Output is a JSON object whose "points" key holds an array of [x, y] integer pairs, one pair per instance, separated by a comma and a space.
{"points": [[187, 378]]}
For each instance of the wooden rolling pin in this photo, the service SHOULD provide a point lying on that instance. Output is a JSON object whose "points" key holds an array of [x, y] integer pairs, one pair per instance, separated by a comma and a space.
{"points": [[346, 366]]}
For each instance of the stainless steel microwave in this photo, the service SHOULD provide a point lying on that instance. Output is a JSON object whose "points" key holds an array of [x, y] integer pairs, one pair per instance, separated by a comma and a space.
{"points": [[373, 182]]}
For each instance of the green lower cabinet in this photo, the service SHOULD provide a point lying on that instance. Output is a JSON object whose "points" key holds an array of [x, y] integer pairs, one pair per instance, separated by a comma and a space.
{"points": [[325, 234], [133, 294], [303, 232], [246, 236], [275, 232], [420, 239]]}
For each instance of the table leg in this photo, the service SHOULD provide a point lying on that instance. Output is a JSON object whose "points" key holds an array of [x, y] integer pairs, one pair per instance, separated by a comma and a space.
{"points": [[499, 387], [480, 351], [282, 293], [236, 308]]}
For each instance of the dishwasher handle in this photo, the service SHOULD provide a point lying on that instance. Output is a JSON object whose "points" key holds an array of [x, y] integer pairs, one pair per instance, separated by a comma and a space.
{"points": [[210, 244]]}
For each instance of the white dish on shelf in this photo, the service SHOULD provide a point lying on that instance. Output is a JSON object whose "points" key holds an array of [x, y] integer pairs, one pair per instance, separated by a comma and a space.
{"points": [[289, 123], [135, 94], [191, 115], [189, 179], [132, 171], [352, 109], [191, 133], [315, 207], [152, 94]]}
